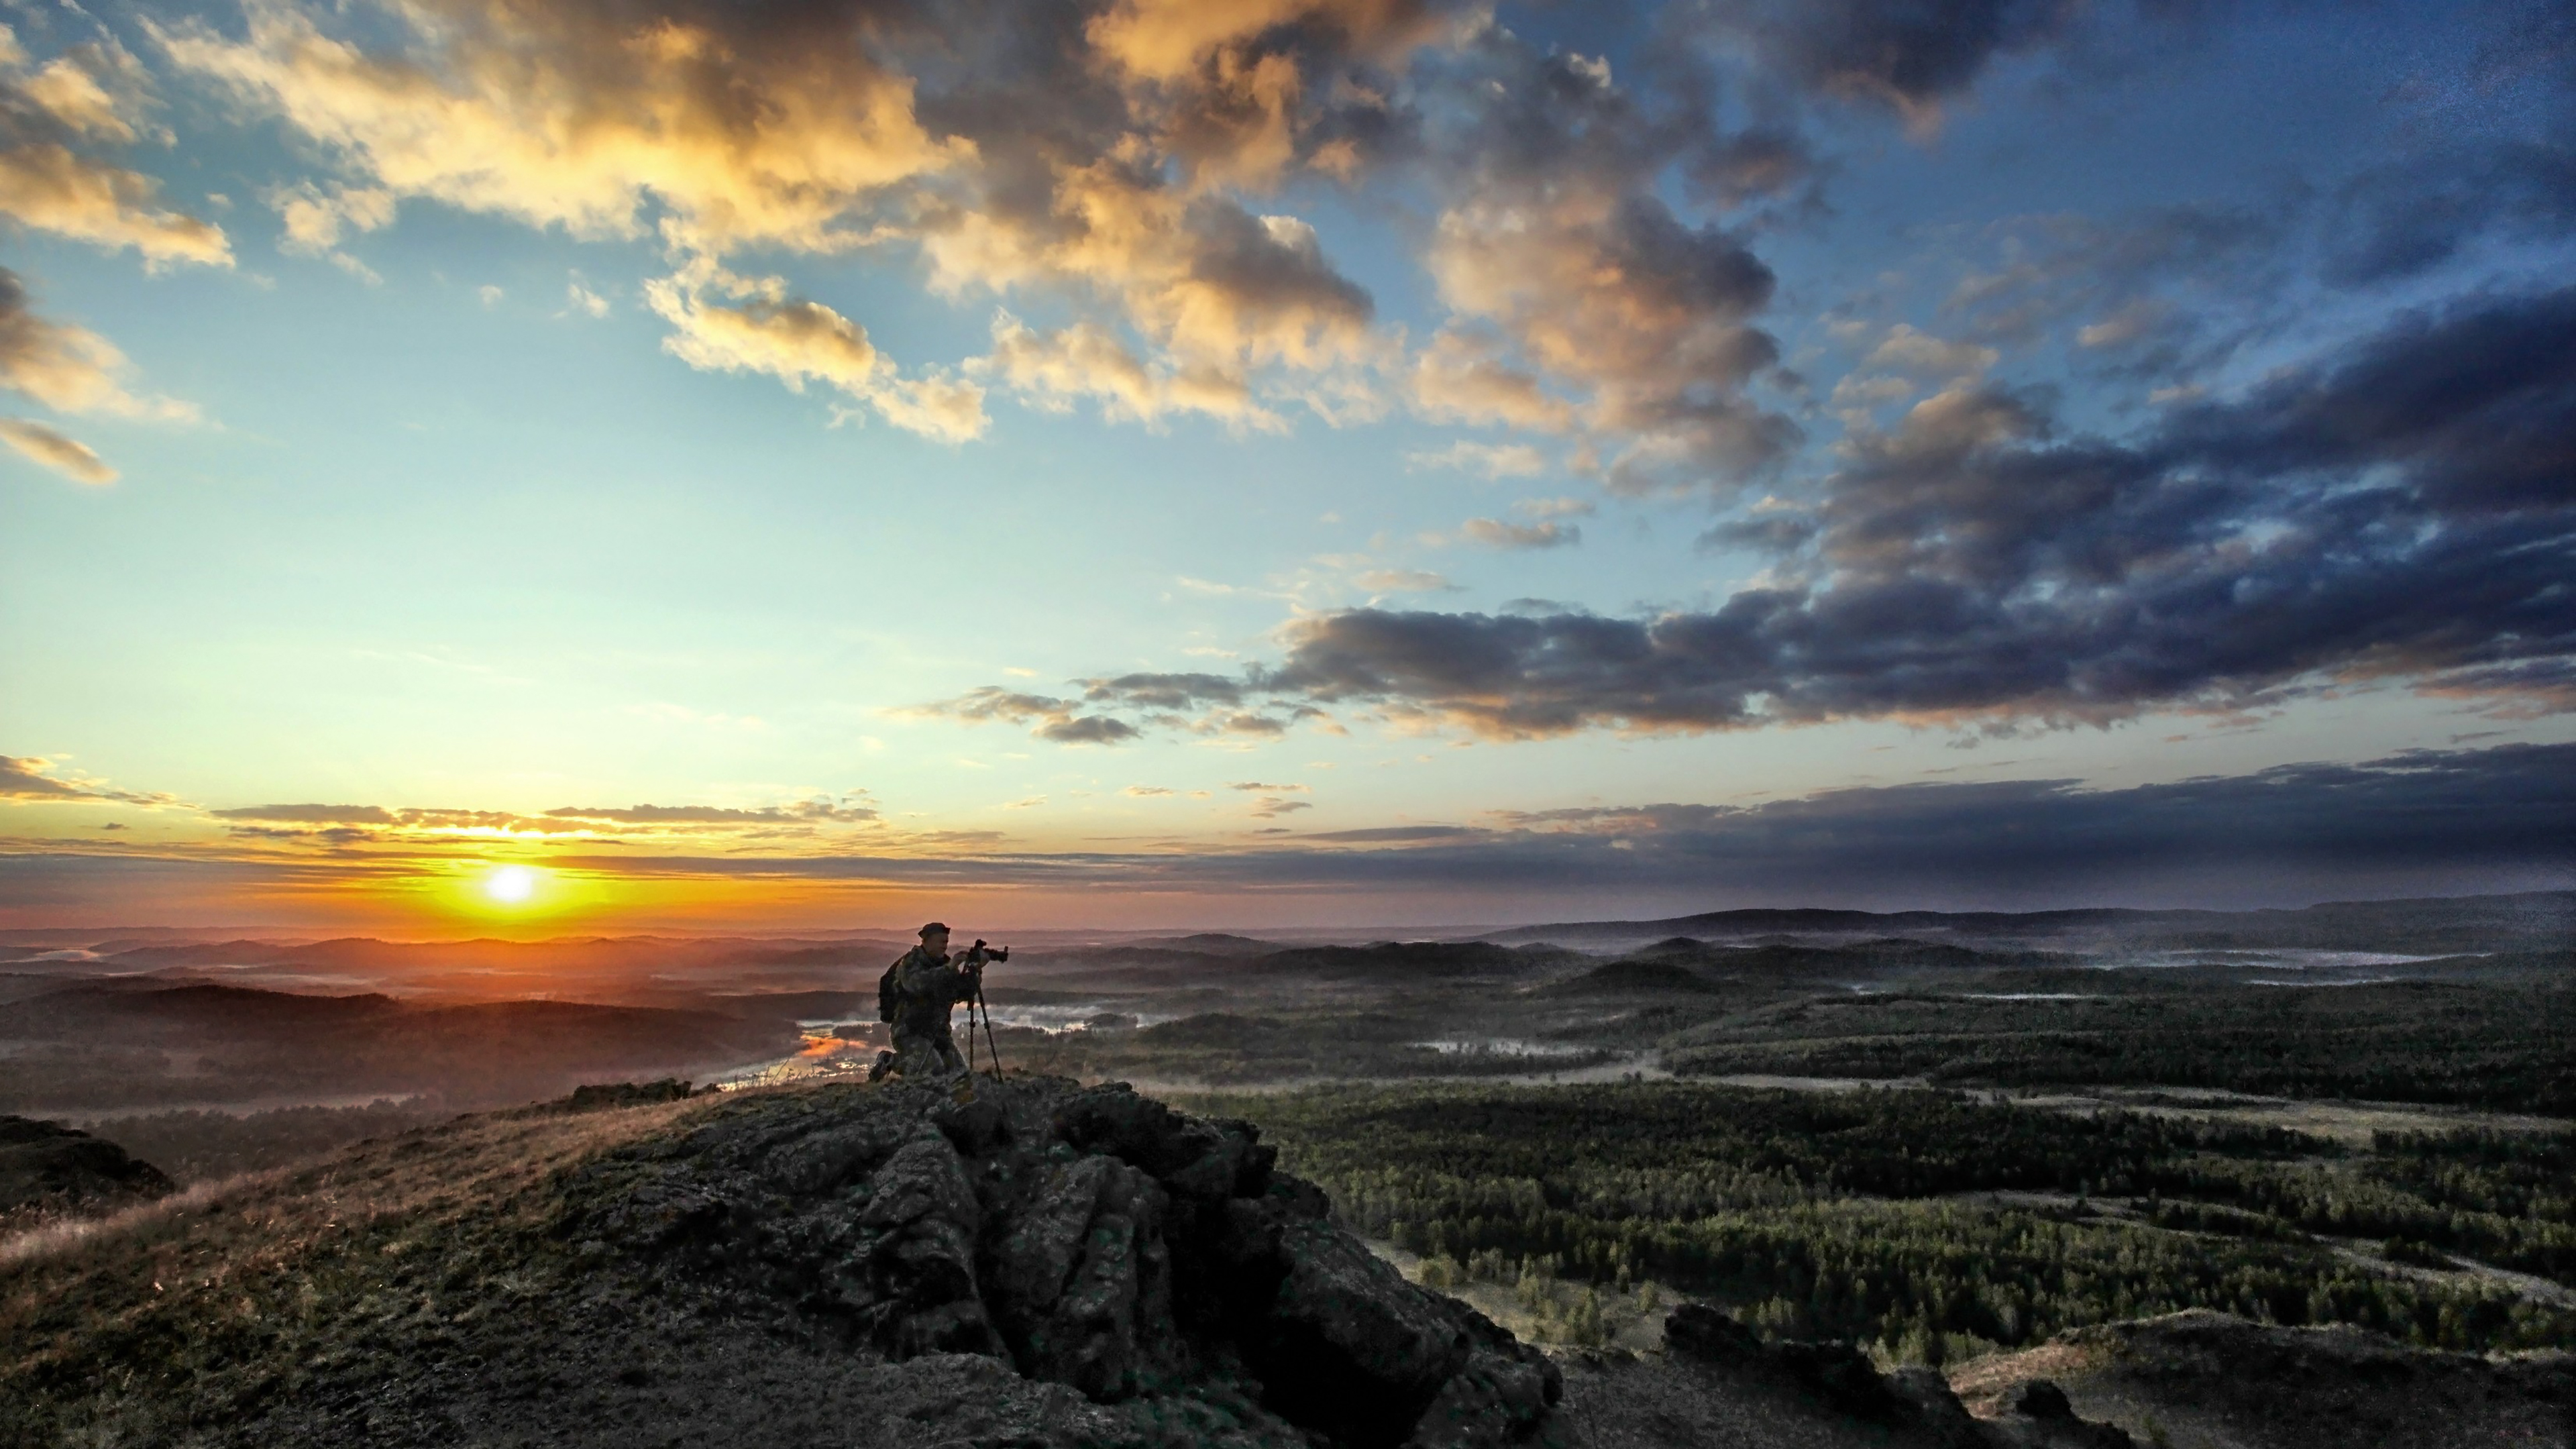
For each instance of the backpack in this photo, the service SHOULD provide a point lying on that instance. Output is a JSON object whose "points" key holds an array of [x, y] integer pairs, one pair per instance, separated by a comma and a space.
{"points": [[887, 995]]}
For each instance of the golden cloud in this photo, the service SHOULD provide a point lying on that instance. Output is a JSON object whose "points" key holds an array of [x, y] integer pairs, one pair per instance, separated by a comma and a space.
{"points": [[574, 116], [47, 184], [69, 369], [64, 455], [799, 133], [795, 341]]}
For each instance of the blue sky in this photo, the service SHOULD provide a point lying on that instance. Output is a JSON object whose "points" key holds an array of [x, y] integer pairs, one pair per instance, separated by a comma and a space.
{"points": [[1290, 460]]}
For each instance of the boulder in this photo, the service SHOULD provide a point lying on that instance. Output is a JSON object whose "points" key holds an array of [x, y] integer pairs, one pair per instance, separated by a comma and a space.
{"points": [[1086, 1237], [48, 1167]]}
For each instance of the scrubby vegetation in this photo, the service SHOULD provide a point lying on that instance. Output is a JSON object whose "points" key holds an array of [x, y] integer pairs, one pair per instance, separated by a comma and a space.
{"points": [[199, 1146], [1226, 1048], [1930, 1223], [2507, 1047]]}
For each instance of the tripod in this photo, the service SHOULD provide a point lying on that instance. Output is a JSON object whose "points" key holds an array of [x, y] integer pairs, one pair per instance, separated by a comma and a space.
{"points": [[975, 1007]]}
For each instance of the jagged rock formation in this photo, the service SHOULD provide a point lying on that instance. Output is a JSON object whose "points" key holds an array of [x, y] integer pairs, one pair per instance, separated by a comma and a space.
{"points": [[1916, 1405], [2207, 1377], [46, 1167], [1088, 1237]]}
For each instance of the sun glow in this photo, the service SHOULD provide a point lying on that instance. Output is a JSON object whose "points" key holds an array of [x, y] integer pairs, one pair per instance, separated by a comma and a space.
{"points": [[511, 885]]}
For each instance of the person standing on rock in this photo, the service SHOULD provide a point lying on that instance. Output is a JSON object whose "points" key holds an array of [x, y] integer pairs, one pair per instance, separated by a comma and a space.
{"points": [[916, 994]]}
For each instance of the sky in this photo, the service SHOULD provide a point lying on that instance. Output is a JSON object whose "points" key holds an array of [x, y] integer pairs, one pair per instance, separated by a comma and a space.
{"points": [[508, 467]]}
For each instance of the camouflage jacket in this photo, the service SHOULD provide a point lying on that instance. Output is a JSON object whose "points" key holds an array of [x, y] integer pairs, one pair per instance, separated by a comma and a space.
{"points": [[926, 986]]}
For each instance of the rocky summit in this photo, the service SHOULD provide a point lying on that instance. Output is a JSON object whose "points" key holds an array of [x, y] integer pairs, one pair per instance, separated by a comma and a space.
{"points": [[1088, 1237]]}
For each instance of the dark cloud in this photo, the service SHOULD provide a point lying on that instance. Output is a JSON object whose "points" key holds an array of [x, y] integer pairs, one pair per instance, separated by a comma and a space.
{"points": [[1054, 719], [1087, 730], [2414, 823], [1395, 834], [1770, 533], [2410, 512], [1164, 691], [2403, 510], [1910, 55], [2474, 405], [2394, 221]]}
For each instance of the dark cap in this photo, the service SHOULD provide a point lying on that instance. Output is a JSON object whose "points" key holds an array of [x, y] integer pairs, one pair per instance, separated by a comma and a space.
{"points": [[939, 926]]}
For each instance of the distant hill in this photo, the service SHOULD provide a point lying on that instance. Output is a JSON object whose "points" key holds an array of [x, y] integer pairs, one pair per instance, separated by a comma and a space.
{"points": [[1625, 978], [125, 1043], [2430, 926], [1210, 943], [1398, 961]]}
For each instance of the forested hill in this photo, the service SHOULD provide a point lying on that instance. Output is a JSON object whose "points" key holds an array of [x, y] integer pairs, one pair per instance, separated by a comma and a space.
{"points": [[2436, 925]]}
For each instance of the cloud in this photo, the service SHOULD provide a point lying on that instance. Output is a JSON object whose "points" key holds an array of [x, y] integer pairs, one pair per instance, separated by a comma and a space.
{"points": [[2162, 293], [2421, 822], [1271, 807], [1402, 581], [802, 811], [1146, 792], [1577, 298], [1085, 361], [69, 369], [1090, 730], [1494, 460], [27, 778], [311, 814], [50, 181], [579, 115], [1163, 691], [316, 218], [1272, 789], [2412, 214], [2401, 513], [2398, 510], [33, 777], [1054, 719], [765, 330], [293, 822], [1495, 533], [1461, 377], [1911, 58], [1003, 148], [68, 456]]}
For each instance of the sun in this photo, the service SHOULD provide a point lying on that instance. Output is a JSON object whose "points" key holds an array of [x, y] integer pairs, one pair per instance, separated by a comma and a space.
{"points": [[510, 884]]}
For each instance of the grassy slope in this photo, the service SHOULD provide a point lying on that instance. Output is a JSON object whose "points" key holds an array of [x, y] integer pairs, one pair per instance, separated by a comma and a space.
{"points": [[193, 1311]]}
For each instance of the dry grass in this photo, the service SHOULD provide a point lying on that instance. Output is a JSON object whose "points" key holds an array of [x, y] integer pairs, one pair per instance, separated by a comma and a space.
{"points": [[204, 1303]]}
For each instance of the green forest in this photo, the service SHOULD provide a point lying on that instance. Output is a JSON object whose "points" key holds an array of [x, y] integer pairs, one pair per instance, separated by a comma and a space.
{"points": [[1936, 1226], [2503, 1046]]}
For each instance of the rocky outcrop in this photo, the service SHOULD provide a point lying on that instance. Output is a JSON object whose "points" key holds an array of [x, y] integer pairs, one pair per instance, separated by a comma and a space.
{"points": [[48, 1167], [1088, 1237], [2209, 1377], [1917, 1403]]}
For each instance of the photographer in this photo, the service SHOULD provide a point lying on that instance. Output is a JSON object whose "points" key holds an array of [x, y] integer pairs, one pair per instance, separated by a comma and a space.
{"points": [[916, 995]]}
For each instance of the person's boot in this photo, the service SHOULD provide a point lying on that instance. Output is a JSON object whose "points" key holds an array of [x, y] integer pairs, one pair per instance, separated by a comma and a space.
{"points": [[885, 1064]]}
